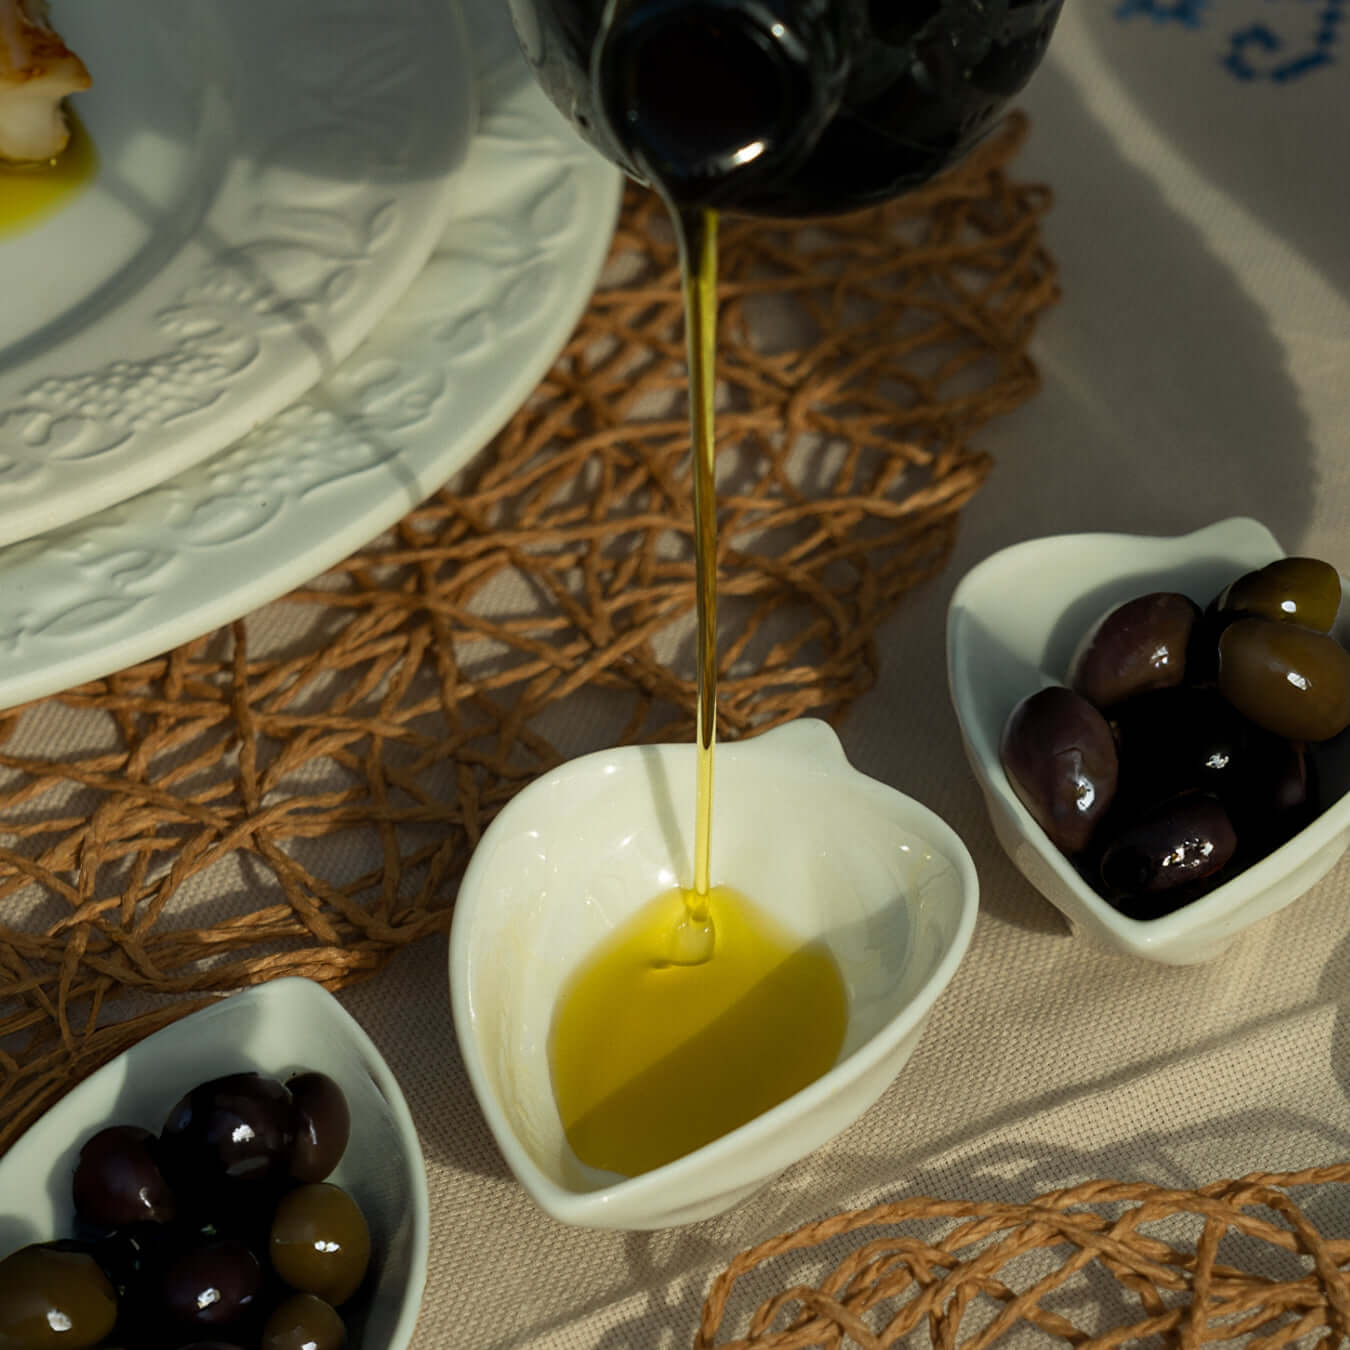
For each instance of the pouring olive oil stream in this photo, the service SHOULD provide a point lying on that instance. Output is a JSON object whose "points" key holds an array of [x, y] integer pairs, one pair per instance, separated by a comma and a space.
{"points": [[709, 1012], [700, 1012]]}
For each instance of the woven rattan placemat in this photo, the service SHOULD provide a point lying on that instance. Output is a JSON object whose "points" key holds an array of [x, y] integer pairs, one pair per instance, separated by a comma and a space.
{"points": [[156, 826], [1101, 1264]]}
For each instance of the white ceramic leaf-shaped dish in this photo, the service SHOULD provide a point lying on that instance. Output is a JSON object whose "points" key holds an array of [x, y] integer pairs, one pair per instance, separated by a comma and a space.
{"points": [[1013, 625], [831, 853], [279, 1028]]}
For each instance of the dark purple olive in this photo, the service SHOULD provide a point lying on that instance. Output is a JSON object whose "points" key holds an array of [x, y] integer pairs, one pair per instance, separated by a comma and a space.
{"points": [[320, 1242], [1060, 758], [322, 1125], [1305, 591], [1137, 646], [1202, 655], [132, 1256], [1176, 740], [1289, 680], [143, 1259], [1176, 845], [304, 1322], [243, 1213], [1278, 790], [210, 1285], [53, 1297], [118, 1181], [239, 1128]]}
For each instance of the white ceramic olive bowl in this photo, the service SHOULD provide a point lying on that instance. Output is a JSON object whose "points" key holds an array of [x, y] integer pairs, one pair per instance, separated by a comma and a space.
{"points": [[829, 852], [278, 1028], [1012, 628]]}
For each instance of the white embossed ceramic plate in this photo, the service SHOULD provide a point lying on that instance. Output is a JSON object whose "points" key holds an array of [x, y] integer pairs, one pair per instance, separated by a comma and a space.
{"points": [[271, 178], [433, 382]]}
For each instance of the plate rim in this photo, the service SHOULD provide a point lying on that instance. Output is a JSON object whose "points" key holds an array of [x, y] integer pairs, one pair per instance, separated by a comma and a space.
{"points": [[62, 561], [167, 346]]}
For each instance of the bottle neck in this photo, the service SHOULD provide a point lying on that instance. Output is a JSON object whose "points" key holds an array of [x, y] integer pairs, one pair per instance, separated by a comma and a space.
{"points": [[708, 97]]}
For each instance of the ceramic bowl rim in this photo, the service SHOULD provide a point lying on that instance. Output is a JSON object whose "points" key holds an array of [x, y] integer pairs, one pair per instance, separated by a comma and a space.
{"points": [[327, 1009], [575, 1206], [1142, 936]]}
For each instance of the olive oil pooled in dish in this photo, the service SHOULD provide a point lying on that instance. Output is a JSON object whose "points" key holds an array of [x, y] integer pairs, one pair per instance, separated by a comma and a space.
{"points": [[700, 1012], [653, 1059], [31, 192]]}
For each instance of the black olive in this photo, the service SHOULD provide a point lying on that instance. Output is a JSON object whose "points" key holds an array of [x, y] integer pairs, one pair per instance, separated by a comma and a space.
{"points": [[210, 1284], [1174, 740], [1164, 858], [1060, 758], [1139, 645], [239, 1128], [1276, 797], [118, 1181], [322, 1125], [1202, 653], [132, 1255]]}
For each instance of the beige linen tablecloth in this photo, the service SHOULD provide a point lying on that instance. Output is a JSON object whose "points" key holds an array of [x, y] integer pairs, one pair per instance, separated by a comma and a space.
{"points": [[1198, 367]]}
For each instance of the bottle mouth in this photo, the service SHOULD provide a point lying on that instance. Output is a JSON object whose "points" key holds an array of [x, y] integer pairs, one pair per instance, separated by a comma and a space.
{"points": [[705, 97]]}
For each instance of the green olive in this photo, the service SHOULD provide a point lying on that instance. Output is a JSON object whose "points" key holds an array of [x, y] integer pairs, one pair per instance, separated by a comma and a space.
{"points": [[53, 1298], [303, 1322], [1286, 679], [320, 1242], [1304, 591]]}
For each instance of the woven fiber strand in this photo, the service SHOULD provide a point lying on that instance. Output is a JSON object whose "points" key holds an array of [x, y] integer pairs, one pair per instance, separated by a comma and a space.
{"points": [[957, 1290], [539, 608]]}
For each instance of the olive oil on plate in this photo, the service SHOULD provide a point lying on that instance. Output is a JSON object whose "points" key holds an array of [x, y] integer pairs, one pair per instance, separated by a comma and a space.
{"points": [[653, 1058], [31, 192]]}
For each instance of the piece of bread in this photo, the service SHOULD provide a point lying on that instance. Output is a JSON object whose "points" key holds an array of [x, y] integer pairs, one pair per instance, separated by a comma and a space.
{"points": [[37, 71]]}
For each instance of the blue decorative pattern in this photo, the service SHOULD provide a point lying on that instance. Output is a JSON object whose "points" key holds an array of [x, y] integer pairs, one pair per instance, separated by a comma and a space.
{"points": [[1189, 13], [1282, 49]]}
